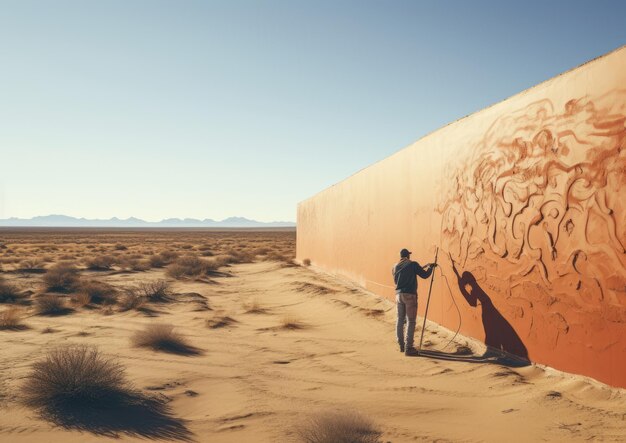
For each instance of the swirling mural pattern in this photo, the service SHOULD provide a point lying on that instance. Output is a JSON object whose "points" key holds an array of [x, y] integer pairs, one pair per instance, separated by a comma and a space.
{"points": [[537, 213]]}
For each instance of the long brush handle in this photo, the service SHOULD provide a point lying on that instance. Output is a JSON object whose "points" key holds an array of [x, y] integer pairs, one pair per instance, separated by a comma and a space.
{"points": [[432, 277]]}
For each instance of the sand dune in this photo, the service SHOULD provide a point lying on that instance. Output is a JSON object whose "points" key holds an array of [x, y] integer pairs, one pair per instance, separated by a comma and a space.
{"points": [[279, 343]]}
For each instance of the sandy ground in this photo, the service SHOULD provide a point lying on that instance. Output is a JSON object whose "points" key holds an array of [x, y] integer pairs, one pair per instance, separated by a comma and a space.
{"points": [[256, 380]]}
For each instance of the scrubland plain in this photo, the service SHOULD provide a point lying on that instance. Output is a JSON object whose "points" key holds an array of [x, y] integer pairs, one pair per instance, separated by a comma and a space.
{"points": [[208, 335]]}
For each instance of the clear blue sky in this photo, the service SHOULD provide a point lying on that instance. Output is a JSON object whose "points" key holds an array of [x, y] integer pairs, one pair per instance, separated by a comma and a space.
{"points": [[205, 109]]}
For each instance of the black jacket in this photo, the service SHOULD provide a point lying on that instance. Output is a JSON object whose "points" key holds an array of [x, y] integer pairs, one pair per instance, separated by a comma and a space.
{"points": [[404, 275]]}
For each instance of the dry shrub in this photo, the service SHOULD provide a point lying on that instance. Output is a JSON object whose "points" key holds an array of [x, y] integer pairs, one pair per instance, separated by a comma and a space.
{"points": [[306, 262], [74, 376], [10, 293], [291, 321], [276, 256], [61, 277], [169, 256], [162, 337], [135, 264], [51, 304], [99, 293], [157, 261], [101, 263], [240, 256], [31, 266], [338, 427], [81, 299], [132, 299], [120, 247], [188, 266], [261, 251], [156, 291], [11, 319], [254, 307]]}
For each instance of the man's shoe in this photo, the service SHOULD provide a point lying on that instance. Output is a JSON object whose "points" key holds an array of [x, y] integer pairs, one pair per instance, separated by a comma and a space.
{"points": [[411, 352], [401, 347]]}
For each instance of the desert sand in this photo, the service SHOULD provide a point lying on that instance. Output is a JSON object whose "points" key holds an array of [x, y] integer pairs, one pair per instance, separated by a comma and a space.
{"points": [[273, 343]]}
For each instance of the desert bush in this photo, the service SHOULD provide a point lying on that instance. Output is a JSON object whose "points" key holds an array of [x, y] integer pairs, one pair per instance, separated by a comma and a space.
{"points": [[120, 247], [155, 291], [188, 266], [220, 261], [81, 299], [261, 251], [338, 427], [291, 321], [10, 293], [254, 307], [169, 256], [11, 319], [276, 256], [135, 264], [162, 337], [74, 376], [140, 265], [156, 261], [61, 277], [31, 265], [306, 262], [240, 256], [101, 263], [99, 293], [132, 299], [50, 304]]}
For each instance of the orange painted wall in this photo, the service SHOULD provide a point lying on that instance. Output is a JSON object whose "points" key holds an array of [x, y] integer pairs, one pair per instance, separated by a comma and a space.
{"points": [[525, 199]]}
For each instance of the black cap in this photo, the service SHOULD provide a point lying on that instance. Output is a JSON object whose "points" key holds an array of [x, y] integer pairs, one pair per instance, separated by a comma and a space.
{"points": [[405, 253]]}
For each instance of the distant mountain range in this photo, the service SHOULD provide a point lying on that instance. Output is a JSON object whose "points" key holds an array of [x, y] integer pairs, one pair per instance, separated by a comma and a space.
{"points": [[58, 221]]}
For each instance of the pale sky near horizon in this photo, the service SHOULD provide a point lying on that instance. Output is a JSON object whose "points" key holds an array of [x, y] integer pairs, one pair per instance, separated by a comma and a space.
{"points": [[211, 109]]}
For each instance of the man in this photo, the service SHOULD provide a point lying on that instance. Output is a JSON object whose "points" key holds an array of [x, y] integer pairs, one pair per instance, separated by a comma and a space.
{"points": [[404, 275]]}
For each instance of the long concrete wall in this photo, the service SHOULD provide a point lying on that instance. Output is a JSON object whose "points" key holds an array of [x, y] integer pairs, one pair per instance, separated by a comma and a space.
{"points": [[526, 201]]}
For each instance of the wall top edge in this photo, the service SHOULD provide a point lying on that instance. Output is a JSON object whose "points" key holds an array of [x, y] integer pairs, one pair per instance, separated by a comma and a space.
{"points": [[435, 131]]}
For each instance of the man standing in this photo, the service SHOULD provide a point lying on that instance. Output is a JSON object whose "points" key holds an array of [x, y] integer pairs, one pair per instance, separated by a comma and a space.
{"points": [[404, 275]]}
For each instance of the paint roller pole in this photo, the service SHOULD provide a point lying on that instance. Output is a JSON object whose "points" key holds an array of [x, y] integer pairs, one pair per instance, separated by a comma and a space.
{"points": [[432, 277]]}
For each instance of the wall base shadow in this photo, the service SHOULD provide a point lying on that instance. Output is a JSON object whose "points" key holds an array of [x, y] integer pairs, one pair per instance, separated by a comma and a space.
{"points": [[490, 357]]}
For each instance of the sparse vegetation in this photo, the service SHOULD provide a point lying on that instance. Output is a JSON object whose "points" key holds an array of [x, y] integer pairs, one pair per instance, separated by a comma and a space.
{"points": [[101, 263], [11, 319], [132, 299], [61, 277], [99, 293], [10, 293], [306, 262], [188, 266], [291, 321], [50, 304], [338, 427], [254, 307], [81, 299], [162, 337], [157, 291], [74, 376]]}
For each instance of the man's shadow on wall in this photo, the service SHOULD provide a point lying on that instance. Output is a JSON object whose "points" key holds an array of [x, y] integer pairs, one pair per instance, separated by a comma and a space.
{"points": [[499, 334], [505, 347]]}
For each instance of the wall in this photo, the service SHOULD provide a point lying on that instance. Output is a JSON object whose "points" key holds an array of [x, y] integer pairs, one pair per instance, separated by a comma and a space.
{"points": [[525, 200]]}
